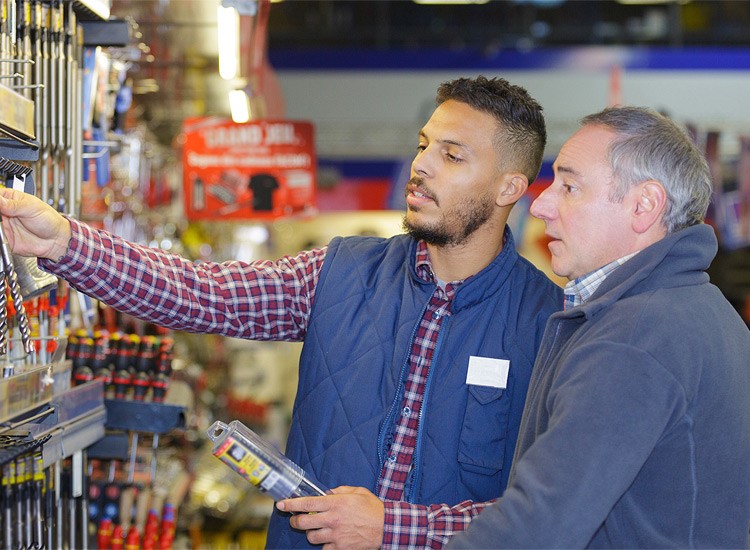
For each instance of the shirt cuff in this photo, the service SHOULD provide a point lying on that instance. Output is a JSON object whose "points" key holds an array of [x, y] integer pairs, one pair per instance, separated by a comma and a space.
{"points": [[405, 525]]}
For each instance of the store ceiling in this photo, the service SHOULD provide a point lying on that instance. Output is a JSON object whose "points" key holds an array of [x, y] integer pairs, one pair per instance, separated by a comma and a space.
{"points": [[175, 58]]}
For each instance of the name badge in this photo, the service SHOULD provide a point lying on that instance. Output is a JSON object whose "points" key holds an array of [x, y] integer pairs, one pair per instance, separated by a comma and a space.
{"points": [[488, 371]]}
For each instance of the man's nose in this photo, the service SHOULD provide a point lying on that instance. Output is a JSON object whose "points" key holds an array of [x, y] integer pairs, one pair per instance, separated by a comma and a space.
{"points": [[422, 164], [540, 207]]}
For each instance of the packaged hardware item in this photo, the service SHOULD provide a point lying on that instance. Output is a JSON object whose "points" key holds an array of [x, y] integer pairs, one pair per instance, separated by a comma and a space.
{"points": [[260, 463]]}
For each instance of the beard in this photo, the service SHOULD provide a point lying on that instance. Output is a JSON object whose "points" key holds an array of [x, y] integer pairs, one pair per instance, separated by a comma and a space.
{"points": [[457, 223]]}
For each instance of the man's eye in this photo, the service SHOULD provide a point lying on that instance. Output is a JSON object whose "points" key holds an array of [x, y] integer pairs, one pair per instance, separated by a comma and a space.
{"points": [[453, 158], [421, 147]]}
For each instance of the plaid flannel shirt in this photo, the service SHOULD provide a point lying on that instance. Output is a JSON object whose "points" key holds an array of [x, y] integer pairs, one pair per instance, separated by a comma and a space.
{"points": [[266, 300]]}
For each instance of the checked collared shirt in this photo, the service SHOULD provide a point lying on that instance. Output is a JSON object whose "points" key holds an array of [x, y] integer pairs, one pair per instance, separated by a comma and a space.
{"points": [[580, 290], [207, 297]]}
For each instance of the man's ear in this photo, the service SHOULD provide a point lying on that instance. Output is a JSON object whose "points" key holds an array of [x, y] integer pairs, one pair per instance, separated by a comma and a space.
{"points": [[650, 205], [512, 189]]}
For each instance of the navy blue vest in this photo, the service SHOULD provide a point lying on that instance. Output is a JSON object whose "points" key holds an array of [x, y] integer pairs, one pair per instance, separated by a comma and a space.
{"points": [[368, 304]]}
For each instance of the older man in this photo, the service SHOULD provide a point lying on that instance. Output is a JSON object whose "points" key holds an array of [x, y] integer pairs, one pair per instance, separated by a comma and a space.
{"points": [[636, 431]]}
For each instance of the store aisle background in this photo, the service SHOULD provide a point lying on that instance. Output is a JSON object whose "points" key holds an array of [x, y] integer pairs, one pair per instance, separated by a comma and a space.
{"points": [[364, 73]]}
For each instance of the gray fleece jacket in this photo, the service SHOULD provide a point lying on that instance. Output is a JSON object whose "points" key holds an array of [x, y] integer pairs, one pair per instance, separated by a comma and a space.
{"points": [[636, 431]]}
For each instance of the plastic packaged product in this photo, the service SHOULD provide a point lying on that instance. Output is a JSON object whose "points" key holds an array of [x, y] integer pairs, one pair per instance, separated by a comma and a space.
{"points": [[260, 463]]}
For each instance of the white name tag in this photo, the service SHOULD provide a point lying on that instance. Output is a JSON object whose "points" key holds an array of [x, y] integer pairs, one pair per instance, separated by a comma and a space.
{"points": [[488, 371]]}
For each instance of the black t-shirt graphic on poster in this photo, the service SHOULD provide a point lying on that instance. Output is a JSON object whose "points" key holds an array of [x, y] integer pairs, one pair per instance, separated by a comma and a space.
{"points": [[263, 186]]}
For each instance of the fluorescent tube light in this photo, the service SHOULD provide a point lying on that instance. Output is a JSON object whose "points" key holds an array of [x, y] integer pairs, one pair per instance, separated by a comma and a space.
{"points": [[239, 106], [228, 22], [451, 1]]}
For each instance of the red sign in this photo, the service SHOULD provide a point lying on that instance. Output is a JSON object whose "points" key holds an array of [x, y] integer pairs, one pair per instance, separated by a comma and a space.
{"points": [[258, 170]]}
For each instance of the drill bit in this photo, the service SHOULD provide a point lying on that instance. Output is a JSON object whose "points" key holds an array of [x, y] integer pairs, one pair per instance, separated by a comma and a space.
{"points": [[3, 312], [15, 293]]}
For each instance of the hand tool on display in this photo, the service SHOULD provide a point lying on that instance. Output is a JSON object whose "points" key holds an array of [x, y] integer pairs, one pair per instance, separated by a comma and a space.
{"points": [[11, 30], [145, 366], [4, 39], [137, 531], [23, 41], [70, 39], [8, 480], [111, 494], [78, 503], [117, 540], [57, 506], [82, 371], [4, 330], [49, 507], [104, 533], [127, 499], [76, 183], [18, 498], [56, 89], [160, 381], [127, 348], [44, 333], [3, 33], [37, 495], [39, 83], [101, 360], [9, 273], [44, 98], [28, 483]]}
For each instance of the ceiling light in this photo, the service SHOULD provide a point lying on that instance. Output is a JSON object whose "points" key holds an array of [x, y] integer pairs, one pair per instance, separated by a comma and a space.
{"points": [[239, 106], [451, 1], [228, 22], [651, 2]]}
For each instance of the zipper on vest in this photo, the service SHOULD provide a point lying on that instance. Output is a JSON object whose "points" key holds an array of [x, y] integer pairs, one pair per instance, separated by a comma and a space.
{"points": [[396, 402], [416, 472]]}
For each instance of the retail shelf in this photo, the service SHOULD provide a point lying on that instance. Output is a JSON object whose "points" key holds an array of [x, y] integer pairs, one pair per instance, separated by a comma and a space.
{"points": [[113, 446], [13, 446], [114, 32], [71, 421], [143, 416], [76, 436], [125, 417], [31, 389], [15, 150]]}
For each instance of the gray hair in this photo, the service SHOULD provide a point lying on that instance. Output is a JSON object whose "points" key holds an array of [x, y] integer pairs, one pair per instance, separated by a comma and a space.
{"points": [[651, 146]]}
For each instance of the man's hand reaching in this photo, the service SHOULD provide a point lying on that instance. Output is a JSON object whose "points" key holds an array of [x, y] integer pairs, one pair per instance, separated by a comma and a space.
{"points": [[349, 518], [32, 227]]}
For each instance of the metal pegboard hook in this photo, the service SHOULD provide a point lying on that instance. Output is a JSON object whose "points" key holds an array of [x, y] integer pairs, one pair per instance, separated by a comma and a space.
{"points": [[105, 146]]}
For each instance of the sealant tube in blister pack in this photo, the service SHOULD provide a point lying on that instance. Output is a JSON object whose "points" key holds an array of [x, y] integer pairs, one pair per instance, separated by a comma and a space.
{"points": [[260, 463]]}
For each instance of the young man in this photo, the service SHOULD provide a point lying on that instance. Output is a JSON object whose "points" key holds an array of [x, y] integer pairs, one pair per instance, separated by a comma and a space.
{"points": [[418, 349], [635, 433]]}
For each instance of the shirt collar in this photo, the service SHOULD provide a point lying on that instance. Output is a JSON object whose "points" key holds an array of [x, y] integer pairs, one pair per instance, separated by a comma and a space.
{"points": [[423, 267], [578, 291]]}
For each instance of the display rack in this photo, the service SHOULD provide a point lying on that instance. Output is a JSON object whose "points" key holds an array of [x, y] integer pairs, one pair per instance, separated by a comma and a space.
{"points": [[134, 416], [40, 409]]}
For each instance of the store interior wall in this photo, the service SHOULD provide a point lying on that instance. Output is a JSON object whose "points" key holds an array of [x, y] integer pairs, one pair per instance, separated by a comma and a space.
{"points": [[377, 114]]}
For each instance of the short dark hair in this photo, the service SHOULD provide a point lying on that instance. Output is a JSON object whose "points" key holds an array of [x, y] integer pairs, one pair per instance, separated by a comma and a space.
{"points": [[521, 134]]}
